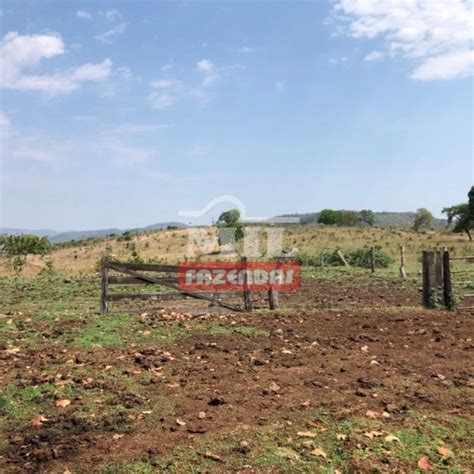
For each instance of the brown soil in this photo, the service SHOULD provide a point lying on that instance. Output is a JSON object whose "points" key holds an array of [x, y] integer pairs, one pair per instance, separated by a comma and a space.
{"points": [[313, 356]]}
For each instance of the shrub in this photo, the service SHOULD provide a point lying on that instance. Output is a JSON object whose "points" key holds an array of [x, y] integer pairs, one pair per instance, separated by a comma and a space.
{"points": [[356, 258], [361, 258]]}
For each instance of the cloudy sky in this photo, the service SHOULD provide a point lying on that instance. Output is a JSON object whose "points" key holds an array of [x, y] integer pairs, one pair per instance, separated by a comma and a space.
{"points": [[120, 114]]}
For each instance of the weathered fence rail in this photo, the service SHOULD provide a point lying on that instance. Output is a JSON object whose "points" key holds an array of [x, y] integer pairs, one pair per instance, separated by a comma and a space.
{"points": [[167, 277], [438, 282]]}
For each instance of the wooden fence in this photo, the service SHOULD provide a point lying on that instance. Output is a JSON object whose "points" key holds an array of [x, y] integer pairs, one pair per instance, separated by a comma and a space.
{"points": [[165, 276], [438, 281]]}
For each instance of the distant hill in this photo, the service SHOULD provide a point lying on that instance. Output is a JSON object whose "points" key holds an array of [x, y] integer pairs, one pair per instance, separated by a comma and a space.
{"points": [[403, 219], [382, 219], [38, 232], [58, 237]]}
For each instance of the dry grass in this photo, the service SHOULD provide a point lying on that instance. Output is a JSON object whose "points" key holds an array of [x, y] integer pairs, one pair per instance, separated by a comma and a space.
{"points": [[171, 246]]}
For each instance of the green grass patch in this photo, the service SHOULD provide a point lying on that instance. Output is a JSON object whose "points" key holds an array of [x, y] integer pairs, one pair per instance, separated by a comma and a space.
{"points": [[21, 403]]}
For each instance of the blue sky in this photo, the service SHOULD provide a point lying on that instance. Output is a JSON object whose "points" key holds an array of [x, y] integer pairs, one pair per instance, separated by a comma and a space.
{"points": [[120, 114]]}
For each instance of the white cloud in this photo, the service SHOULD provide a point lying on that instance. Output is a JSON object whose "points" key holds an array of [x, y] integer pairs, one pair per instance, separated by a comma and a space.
{"points": [[446, 66], [84, 118], [110, 35], [83, 15], [437, 34], [340, 60], [34, 148], [168, 92], [53, 152], [33, 153], [374, 56], [280, 85], [133, 128], [246, 50], [4, 120], [124, 73], [127, 155], [167, 67], [112, 15], [165, 83], [209, 71], [19, 54], [199, 150], [5, 126], [92, 72]]}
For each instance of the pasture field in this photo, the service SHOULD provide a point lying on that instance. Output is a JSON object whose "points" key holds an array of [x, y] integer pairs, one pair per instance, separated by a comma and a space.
{"points": [[350, 375], [171, 246]]}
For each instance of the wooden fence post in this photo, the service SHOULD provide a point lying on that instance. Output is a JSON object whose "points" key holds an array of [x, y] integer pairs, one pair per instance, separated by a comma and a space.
{"points": [[341, 256], [104, 283], [429, 279], [372, 259], [447, 286], [439, 270], [273, 294], [403, 273], [273, 298], [247, 296]]}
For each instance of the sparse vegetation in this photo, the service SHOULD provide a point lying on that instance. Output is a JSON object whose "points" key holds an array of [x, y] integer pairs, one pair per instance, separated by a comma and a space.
{"points": [[423, 220], [462, 215], [132, 379], [230, 221], [18, 247]]}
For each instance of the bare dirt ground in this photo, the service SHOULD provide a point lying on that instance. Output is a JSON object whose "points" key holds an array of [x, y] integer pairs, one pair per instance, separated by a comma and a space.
{"points": [[352, 376]]}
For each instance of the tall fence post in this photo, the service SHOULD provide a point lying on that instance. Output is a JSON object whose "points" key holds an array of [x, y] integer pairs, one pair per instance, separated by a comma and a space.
{"points": [[341, 256], [403, 273], [439, 271], [273, 294], [372, 259], [273, 298], [447, 285], [247, 297], [429, 279], [104, 285]]}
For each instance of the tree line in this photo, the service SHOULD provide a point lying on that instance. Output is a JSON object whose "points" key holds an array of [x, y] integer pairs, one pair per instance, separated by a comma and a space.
{"points": [[460, 216], [346, 218]]}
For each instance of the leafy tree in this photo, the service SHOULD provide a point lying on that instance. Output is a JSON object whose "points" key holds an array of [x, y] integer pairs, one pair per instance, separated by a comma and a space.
{"points": [[360, 257], [423, 219], [230, 220], [229, 217], [350, 218], [470, 196], [330, 217], [462, 215], [18, 247], [367, 217]]}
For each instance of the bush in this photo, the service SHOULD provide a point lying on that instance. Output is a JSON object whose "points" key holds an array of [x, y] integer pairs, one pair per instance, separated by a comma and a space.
{"points": [[361, 258], [356, 258]]}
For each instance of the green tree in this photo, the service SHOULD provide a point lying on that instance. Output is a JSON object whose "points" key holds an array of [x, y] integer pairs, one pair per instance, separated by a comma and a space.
{"points": [[330, 217], [423, 219], [367, 217], [18, 247], [470, 196], [230, 220], [462, 215], [350, 218]]}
